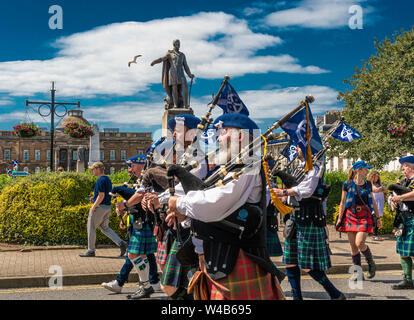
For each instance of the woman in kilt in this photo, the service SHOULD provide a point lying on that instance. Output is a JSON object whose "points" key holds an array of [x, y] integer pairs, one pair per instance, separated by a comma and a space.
{"points": [[404, 204], [356, 214], [307, 248]]}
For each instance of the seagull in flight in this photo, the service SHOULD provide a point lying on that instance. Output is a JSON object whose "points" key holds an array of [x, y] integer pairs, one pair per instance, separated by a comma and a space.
{"points": [[134, 61]]}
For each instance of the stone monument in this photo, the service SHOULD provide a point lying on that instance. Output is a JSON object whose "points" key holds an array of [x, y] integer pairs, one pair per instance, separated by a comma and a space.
{"points": [[175, 84], [94, 147]]}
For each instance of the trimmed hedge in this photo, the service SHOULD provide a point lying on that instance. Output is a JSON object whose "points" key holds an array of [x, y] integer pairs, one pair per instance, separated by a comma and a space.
{"points": [[49, 209]]}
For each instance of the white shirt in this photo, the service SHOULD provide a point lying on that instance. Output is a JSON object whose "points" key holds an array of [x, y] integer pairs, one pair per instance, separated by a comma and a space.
{"points": [[218, 203], [307, 187]]}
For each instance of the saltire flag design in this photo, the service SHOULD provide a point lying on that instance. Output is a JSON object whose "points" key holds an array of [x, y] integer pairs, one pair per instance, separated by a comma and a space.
{"points": [[230, 101], [15, 164], [302, 130], [154, 145], [346, 133], [289, 152]]}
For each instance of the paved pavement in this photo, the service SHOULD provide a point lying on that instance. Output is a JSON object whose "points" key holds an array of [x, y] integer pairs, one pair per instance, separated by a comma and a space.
{"points": [[38, 267]]}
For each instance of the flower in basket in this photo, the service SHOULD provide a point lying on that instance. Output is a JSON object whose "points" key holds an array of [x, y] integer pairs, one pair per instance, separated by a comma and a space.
{"points": [[76, 130], [397, 129], [26, 130]]}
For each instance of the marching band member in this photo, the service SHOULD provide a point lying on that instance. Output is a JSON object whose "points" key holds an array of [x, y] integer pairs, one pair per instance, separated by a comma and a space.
{"points": [[174, 276], [307, 248], [405, 217], [125, 192], [142, 240], [231, 269]]}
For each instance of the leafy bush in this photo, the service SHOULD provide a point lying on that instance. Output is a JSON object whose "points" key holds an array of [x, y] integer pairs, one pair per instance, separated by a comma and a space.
{"points": [[48, 208], [335, 180], [5, 179]]}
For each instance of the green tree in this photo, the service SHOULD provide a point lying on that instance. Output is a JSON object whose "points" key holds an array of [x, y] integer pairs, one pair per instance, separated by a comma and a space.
{"points": [[385, 80]]}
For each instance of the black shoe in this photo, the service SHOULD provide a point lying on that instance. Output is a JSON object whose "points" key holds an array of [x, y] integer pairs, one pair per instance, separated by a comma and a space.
{"points": [[371, 268], [87, 254], [123, 247], [141, 293], [404, 284], [341, 297]]}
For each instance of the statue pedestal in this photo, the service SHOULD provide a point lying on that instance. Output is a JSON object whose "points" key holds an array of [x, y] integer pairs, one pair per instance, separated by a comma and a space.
{"points": [[171, 113]]}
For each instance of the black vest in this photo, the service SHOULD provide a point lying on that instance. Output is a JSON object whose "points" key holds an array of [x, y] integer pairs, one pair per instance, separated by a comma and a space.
{"points": [[223, 240], [310, 209]]}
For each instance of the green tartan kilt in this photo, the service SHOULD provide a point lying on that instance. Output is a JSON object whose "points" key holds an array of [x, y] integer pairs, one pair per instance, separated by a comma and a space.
{"points": [[405, 244], [174, 273], [308, 248], [273, 244], [142, 241]]}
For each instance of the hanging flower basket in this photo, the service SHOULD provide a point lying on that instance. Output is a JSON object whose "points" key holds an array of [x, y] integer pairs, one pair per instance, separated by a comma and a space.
{"points": [[76, 130], [26, 130], [397, 129]]}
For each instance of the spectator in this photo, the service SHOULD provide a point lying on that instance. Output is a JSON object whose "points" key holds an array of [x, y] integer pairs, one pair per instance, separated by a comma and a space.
{"points": [[100, 211], [378, 191]]}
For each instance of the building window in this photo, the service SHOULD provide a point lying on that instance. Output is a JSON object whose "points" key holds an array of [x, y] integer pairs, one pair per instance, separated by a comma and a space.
{"points": [[112, 170], [26, 169], [140, 152], [37, 155], [37, 169], [6, 154], [75, 155], [112, 155], [48, 155], [123, 154], [102, 155], [25, 155]]}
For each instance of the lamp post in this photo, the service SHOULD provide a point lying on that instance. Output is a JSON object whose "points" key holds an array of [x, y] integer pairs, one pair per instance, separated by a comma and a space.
{"points": [[51, 107]]}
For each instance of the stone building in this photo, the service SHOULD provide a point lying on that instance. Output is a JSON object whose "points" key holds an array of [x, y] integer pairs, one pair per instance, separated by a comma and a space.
{"points": [[33, 153]]}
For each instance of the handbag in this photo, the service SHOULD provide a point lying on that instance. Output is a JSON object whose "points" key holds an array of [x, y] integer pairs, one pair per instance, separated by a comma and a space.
{"points": [[374, 217], [340, 223], [290, 229]]}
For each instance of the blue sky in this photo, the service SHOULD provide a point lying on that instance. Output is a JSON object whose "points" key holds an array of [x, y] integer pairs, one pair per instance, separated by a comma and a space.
{"points": [[276, 53]]}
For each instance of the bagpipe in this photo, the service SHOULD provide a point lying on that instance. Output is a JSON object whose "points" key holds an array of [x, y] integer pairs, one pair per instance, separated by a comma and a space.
{"points": [[298, 175], [240, 164], [398, 190]]}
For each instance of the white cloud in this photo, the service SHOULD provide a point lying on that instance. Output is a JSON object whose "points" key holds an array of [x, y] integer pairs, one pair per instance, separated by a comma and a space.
{"points": [[95, 62], [323, 14]]}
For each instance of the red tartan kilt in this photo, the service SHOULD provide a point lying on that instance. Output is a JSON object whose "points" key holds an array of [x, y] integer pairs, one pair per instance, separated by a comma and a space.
{"points": [[247, 281], [360, 221]]}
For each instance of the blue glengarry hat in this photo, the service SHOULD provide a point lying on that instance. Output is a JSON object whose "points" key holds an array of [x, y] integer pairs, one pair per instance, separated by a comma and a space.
{"points": [[189, 121], [139, 159], [360, 164], [235, 120], [409, 159]]}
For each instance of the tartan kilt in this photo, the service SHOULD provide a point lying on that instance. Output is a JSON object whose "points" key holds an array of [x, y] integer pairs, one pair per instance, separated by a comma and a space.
{"points": [[164, 248], [405, 244], [247, 281], [174, 273], [273, 244], [360, 221], [142, 241], [308, 248]]}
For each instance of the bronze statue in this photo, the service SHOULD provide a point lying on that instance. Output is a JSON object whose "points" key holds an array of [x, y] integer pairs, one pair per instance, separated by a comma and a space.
{"points": [[173, 78]]}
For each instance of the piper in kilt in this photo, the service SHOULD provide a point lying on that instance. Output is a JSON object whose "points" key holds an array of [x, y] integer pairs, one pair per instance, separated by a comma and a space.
{"points": [[230, 267], [307, 249], [142, 241], [174, 275], [404, 204], [272, 238], [135, 246], [356, 212]]}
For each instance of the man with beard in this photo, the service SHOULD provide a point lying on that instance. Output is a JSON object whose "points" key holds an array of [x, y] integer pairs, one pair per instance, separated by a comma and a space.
{"points": [[174, 274], [233, 266]]}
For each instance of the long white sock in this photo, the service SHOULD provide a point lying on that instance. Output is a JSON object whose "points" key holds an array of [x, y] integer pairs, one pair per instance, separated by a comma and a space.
{"points": [[142, 267]]}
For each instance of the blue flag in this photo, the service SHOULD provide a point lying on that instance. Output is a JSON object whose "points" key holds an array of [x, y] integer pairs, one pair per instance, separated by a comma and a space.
{"points": [[296, 128], [15, 164], [154, 145], [290, 151], [230, 101], [346, 133]]}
